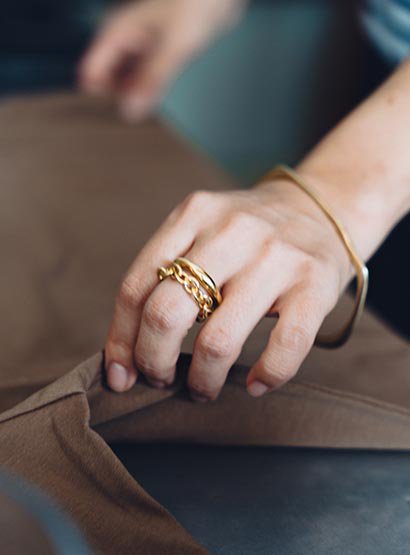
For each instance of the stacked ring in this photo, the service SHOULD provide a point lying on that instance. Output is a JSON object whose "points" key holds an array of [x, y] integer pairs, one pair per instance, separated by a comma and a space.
{"points": [[197, 283], [205, 279]]}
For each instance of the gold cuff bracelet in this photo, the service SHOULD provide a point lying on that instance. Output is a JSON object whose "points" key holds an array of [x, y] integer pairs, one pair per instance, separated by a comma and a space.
{"points": [[339, 337]]}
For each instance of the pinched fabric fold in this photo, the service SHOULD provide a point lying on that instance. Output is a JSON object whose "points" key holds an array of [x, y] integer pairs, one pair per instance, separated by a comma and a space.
{"points": [[58, 439], [82, 193]]}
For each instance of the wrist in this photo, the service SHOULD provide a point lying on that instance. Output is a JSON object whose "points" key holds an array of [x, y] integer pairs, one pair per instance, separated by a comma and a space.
{"points": [[356, 201], [287, 197], [321, 246]]}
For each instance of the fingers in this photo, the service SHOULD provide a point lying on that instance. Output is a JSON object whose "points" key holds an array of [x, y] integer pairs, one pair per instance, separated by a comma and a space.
{"points": [[136, 287], [170, 311], [301, 314], [247, 298], [174, 236], [258, 273]]}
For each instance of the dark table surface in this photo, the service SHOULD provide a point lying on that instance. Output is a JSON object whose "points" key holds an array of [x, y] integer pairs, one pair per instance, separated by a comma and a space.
{"points": [[286, 501]]}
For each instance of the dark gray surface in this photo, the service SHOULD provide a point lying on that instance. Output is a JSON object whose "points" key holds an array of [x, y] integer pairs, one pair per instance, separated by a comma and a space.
{"points": [[264, 501]]}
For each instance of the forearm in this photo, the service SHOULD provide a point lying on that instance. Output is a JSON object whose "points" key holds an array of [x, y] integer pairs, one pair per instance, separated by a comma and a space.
{"points": [[362, 167]]}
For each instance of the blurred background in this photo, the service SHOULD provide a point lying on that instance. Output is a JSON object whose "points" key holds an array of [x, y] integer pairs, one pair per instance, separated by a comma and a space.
{"points": [[264, 93]]}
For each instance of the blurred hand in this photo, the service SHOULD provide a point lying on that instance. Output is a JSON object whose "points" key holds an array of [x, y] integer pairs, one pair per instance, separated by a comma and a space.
{"points": [[270, 249], [144, 45]]}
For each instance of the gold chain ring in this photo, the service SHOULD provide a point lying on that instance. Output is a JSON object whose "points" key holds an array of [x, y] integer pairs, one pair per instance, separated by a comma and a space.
{"points": [[203, 277], [191, 286]]}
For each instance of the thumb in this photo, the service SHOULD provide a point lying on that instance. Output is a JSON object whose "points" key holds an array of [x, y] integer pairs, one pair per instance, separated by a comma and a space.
{"points": [[152, 76], [116, 42]]}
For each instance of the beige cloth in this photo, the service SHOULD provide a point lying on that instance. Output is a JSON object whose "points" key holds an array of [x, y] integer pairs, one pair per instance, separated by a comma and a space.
{"points": [[80, 194]]}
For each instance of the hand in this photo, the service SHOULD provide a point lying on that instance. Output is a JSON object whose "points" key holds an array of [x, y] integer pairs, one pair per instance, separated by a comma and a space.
{"points": [[271, 251], [143, 46]]}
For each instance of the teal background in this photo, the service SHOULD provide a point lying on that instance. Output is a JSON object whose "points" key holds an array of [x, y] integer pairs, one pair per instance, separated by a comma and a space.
{"points": [[273, 86]]}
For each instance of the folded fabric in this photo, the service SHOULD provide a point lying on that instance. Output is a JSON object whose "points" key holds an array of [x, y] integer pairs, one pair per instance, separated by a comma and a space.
{"points": [[57, 439]]}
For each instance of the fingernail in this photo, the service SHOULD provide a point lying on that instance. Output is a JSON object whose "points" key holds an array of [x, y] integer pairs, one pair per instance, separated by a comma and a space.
{"points": [[117, 376], [133, 109], [257, 389], [199, 398]]}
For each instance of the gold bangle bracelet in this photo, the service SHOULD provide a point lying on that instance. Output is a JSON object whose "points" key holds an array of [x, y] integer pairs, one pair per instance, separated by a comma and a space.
{"points": [[339, 337]]}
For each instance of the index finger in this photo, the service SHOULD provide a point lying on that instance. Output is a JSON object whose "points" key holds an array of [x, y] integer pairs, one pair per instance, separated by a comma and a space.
{"points": [[173, 238]]}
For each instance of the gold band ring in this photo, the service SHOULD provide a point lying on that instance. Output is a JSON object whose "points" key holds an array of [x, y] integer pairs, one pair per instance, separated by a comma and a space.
{"points": [[197, 283], [205, 279]]}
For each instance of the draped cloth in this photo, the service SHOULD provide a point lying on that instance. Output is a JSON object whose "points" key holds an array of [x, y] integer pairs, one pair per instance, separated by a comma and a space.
{"points": [[80, 194]]}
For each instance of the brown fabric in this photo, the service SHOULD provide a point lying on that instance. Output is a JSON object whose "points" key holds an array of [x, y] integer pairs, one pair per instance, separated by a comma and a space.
{"points": [[14, 519], [80, 194]]}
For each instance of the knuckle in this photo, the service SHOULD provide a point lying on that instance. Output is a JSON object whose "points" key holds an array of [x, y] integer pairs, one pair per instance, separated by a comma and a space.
{"points": [[277, 247], [271, 248], [195, 201], [130, 294], [160, 316], [242, 222], [240, 219], [216, 345], [294, 339]]}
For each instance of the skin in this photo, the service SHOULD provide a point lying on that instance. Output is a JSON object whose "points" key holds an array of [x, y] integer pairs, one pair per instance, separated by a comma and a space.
{"points": [[280, 254], [143, 46]]}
